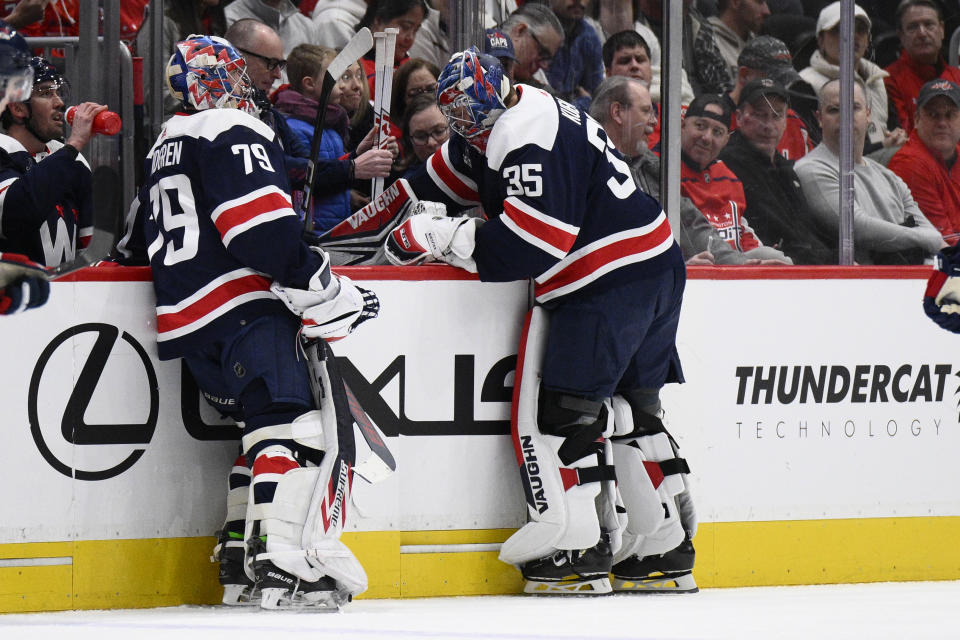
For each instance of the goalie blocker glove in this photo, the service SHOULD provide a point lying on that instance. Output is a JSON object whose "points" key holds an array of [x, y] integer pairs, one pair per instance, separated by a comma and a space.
{"points": [[426, 238], [332, 307], [941, 301]]}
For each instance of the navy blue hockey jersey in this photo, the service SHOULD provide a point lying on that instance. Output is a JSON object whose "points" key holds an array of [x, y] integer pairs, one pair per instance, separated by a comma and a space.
{"points": [[219, 227], [562, 204], [46, 202]]}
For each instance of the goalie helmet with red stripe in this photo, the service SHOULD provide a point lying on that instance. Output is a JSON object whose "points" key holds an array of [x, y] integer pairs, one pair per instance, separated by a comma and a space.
{"points": [[471, 91], [207, 72]]}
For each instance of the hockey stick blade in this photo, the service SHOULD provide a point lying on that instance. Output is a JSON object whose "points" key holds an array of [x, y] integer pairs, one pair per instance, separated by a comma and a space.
{"points": [[107, 213], [351, 52], [371, 434]]}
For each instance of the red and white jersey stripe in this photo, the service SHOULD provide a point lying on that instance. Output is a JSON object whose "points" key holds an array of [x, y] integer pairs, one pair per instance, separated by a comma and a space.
{"points": [[235, 216], [542, 231], [215, 299], [455, 185], [590, 262]]}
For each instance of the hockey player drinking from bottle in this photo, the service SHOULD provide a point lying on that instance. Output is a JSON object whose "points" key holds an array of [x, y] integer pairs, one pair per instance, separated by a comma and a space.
{"points": [[563, 209], [228, 268]]}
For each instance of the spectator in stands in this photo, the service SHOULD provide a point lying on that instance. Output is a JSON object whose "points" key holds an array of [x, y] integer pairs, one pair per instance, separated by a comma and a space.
{"points": [[705, 65], [262, 50], [708, 182], [353, 94], [537, 35], [779, 213], [413, 77], [336, 21], [825, 66], [921, 31], [282, 16], [498, 44], [628, 54], [616, 20], [424, 130], [623, 108], [299, 103], [404, 15], [577, 66], [928, 161], [767, 57], [433, 41], [736, 22], [46, 201], [888, 227]]}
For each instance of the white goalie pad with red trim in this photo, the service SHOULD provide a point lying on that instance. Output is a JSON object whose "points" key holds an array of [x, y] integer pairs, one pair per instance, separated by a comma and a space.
{"points": [[560, 498], [649, 477]]}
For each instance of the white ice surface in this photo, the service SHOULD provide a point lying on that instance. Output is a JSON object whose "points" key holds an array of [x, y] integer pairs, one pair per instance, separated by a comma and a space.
{"points": [[905, 611]]}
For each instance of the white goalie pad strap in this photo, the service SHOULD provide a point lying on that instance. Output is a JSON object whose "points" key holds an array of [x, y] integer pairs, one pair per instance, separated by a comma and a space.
{"points": [[306, 429], [611, 510], [562, 513]]}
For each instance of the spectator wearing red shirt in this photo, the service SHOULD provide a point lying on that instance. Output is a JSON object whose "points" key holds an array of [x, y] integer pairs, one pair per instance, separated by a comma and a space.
{"points": [[715, 190], [768, 57], [928, 161], [921, 31]]}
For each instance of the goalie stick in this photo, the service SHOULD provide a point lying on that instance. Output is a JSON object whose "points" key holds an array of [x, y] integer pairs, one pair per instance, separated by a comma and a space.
{"points": [[107, 213], [383, 92], [381, 464], [353, 51]]}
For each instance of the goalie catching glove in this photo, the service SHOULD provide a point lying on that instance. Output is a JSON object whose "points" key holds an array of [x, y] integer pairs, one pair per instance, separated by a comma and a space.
{"points": [[941, 301], [331, 307], [428, 237]]}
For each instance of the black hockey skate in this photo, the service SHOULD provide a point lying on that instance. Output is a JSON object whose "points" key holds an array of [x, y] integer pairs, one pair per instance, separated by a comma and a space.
{"points": [[238, 588], [670, 572], [281, 589], [578, 572]]}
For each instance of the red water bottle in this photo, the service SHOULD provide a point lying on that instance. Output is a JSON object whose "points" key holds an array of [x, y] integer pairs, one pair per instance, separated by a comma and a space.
{"points": [[107, 123]]}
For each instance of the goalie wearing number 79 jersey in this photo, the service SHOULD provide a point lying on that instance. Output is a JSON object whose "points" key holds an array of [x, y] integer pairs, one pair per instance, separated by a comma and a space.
{"points": [[563, 209]]}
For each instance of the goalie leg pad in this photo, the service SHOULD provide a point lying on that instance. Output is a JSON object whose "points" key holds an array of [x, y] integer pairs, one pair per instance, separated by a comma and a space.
{"points": [[297, 516], [650, 477], [560, 490]]}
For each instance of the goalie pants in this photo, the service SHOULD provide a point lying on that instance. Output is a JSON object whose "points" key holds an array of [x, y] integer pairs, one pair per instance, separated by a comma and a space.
{"points": [[617, 340]]}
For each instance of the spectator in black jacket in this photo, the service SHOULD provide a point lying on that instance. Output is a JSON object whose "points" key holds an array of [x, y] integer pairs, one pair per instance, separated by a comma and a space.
{"points": [[778, 210]]}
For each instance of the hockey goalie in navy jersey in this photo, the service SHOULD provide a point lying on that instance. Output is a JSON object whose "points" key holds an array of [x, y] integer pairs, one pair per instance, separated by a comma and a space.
{"points": [[228, 268], [605, 488]]}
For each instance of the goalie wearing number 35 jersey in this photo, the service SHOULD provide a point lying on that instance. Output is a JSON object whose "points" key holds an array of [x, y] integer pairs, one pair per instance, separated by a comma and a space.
{"points": [[562, 206], [563, 209]]}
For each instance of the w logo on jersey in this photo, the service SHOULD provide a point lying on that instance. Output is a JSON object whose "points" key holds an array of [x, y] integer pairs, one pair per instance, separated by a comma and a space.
{"points": [[59, 248]]}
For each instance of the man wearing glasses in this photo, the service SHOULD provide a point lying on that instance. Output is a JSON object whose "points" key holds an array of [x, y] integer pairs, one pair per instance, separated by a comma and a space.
{"points": [[45, 184], [536, 34], [262, 52]]}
